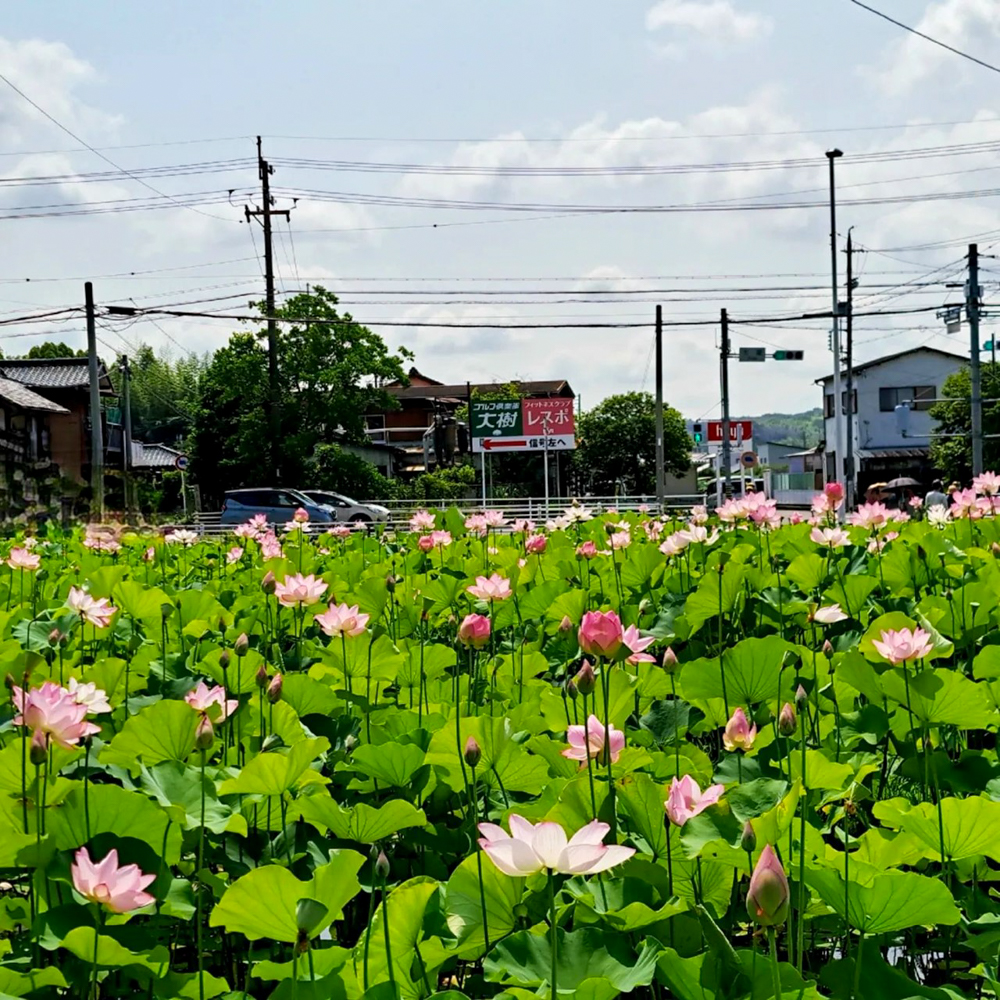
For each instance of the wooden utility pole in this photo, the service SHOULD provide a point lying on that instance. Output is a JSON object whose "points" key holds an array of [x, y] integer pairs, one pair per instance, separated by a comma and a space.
{"points": [[96, 423], [130, 504], [660, 472], [265, 213]]}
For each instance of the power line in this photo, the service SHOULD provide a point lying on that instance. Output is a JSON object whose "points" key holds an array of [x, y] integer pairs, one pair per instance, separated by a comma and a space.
{"points": [[928, 38]]}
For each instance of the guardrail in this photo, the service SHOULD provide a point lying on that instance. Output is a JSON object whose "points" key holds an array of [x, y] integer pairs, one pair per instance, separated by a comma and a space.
{"points": [[527, 508]]}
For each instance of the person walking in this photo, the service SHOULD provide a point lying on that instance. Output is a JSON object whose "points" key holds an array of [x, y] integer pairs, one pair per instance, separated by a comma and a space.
{"points": [[936, 497]]}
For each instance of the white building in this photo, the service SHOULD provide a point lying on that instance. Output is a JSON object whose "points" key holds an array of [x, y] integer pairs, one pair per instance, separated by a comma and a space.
{"points": [[881, 452]]}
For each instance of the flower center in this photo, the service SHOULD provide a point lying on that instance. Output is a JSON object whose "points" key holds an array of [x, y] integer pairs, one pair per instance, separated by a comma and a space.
{"points": [[102, 893]]}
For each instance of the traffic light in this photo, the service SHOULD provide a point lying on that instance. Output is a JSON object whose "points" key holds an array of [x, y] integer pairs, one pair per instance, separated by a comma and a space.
{"points": [[788, 355], [753, 353], [696, 433]]}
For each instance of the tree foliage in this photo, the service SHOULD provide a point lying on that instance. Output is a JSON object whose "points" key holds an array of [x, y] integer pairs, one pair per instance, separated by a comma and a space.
{"points": [[951, 452], [617, 443], [51, 349], [331, 372]]}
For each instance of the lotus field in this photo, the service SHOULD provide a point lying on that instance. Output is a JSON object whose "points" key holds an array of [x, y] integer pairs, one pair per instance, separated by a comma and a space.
{"points": [[683, 756]]}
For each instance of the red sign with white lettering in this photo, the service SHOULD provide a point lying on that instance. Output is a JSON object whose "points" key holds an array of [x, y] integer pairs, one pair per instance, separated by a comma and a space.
{"points": [[548, 416], [739, 430]]}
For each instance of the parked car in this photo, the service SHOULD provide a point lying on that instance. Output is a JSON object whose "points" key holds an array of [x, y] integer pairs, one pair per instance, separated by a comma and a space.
{"points": [[346, 509], [277, 505]]}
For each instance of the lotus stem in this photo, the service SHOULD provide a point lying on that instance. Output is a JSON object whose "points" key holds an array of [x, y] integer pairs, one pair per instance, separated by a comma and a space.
{"points": [[474, 798], [772, 941], [385, 933], [555, 940]]}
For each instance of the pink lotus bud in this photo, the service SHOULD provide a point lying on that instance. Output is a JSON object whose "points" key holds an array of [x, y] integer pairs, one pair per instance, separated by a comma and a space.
{"points": [[600, 633], [670, 661], [204, 734], [274, 689], [749, 839], [390, 583], [834, 492], [425, 543], [224, 658], [261, 677], [382, 866], [800, 697], [588, 550], [301, 515], [767, 898], [473, 753], [474, 631], [571, 689], [269, 583], [242, 644], [585, 679], [565, 625], [786, 720], [39, 751], [55, 637], [535, 544], [739, 734], [828, 649]]}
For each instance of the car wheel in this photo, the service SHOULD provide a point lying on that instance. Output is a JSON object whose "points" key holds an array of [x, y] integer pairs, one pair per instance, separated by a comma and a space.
{"points": [[360, 519]]}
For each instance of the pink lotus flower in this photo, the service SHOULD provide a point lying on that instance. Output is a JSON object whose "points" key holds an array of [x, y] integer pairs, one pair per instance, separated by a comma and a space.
{"points": [[425, 543], [339, 531], [699, 514], [653, 530], [963, 504], [533, 848], [234, 555], [535, 544], [301, 515], [245, 531], [476, 524], [796, 517], [474, 631], [53, 711], [600, 633], [829, 615], [259, 521], [589, 741], [211, 701], [492, 588], [23, 559], [495, 518], [987, 483], [903, 645], [697, 534], [673, 545], [739, 734], [182, 536], [149, 555], [296, 590], [440, 539], [422, 520], [832, 538], [118, 889], [638, 644], [916, 502], [588, 550], [341, 620], [522, 526], [620, 540], [834, 493], [90, 696], [870, 515], [768, 895], [878, 544], [687, 800], [97, 612], [270, 546]]}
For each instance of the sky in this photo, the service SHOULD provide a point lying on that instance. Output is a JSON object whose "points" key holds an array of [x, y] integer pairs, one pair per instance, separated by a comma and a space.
{"points": [[537, 175]]}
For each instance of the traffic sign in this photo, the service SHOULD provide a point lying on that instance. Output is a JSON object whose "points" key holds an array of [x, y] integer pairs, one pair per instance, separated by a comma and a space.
{"points": [[181, 463], [748, 459], [739, 430], [556, 442]]}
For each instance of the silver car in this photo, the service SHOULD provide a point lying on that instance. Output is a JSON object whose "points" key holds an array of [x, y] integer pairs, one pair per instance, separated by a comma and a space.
{"points": [[344, 509]]}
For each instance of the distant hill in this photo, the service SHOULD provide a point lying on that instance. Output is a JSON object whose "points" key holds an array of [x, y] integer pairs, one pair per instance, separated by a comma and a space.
{"points": [[805, 429]]}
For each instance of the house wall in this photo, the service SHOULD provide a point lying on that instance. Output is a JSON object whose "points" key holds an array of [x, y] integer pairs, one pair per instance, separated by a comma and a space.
{"points": [[67, 441]]}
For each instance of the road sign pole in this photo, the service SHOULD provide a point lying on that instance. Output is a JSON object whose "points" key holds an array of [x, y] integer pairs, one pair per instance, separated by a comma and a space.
{"points": [[546, 426], [724, 380]]}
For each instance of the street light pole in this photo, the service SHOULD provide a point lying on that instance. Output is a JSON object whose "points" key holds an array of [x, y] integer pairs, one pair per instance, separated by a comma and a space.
{"points": [[838, 424]]}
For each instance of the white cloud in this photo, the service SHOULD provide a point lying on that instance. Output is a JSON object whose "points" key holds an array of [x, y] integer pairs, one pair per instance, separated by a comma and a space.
{"points": [[968, 25], [717, 20]]}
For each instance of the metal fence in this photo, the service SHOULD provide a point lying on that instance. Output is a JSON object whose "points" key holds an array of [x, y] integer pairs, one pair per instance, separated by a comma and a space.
{"points": [[535, 509]]}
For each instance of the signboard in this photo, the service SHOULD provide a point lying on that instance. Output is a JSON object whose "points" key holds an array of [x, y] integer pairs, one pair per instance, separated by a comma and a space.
{"points": [[739, 430], [499, 425]]}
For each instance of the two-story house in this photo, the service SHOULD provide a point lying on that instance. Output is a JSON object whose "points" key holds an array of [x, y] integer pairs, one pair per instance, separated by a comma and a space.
{"points": [[881, 452]]}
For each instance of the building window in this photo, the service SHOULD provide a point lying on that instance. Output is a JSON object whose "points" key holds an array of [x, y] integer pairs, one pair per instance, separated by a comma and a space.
{"points": [[828, 403], [375, 424], [920, 397]]}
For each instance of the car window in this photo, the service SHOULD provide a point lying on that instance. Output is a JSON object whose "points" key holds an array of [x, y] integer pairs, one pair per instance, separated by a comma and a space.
{"points": [[242, 499], [282, 499]]}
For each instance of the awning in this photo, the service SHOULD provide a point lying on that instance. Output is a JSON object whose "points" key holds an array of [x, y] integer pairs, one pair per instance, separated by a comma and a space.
{"points": [[894, 452]]}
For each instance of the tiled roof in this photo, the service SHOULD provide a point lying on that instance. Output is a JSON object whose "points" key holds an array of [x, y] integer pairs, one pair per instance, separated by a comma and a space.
{"points": [[553, 387], [24, 398], [54, 373], [153, 456]]}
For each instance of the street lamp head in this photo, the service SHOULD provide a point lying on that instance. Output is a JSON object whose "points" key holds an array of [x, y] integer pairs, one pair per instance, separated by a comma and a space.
{"points": [[834, 154]]}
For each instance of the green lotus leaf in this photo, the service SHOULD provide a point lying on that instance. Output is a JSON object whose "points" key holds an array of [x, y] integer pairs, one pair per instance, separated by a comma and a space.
{"points": [[464, 905], [277, 772], [970, 826], [162, 731], [436, 660], [308, 696], [754, 798], [710, 600], [642, 800], [22, 984], [877, 980], [893, 902], [177, 788], [362, 823], [389, 763], [752, 673], [110, 954], [941, 697], [263, 903], [821, 772]]}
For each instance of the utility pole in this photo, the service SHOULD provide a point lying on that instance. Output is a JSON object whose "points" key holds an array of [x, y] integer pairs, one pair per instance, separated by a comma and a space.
{"points": [[265, 170], [724, 380], [838, 425], [851, 480], [660, 483], [96, 425], [127, 416], [972, 310]]}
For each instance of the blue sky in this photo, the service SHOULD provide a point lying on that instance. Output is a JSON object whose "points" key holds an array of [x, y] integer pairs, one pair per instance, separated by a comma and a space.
{"points": [[597, 85]]}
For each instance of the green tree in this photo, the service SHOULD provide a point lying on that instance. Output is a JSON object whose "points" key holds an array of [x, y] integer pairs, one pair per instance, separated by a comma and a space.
{"points": [[951, 452], [617, 444], [50, 349], [331, 372]]}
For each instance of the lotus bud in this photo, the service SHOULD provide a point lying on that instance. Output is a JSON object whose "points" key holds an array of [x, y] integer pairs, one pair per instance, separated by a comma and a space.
{"points": [[166, 610], [274, 689], [55, 637], [767, 898], [565, 625], [224, 658], [473, 753], [261, 677], [670, 661], [382, 866], [350, 742], [241, 645], [748, 842], [610, 528], [800, 697], [205, 733], [995, 549], [268, 583], [9, 681], [828, 649], [571, 689], [643, 606], [390, 583], [786, 720], [272, 742], [585, 679], [39, 751]]}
